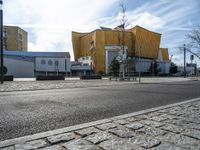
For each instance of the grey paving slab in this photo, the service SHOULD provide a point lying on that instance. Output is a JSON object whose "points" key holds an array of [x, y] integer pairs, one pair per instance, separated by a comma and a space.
{"points": [[61, 138], [180, 140], [8, 148], [118, 144], [158, 118], [54, 147], [99, 137], [122, 133], [192, 133], [122, 121], [152, 123], [134, 126], [151, 131], [106, 126], [168, 146], [172, 128], [87, 131], [80, 144], [146, 141], [31, 145]]}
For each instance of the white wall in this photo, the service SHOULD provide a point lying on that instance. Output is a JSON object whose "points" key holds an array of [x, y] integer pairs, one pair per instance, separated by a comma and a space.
{"points": [[48, 64], [19, 68]]}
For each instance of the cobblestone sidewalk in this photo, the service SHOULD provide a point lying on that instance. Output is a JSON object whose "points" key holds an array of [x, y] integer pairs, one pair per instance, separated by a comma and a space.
{"points": [[75, 83], [171, 128], [45, 85]]}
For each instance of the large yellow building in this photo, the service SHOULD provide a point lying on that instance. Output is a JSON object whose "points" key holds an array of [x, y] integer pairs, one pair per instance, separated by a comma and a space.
{"points": [[138, 40], [15, 38]]}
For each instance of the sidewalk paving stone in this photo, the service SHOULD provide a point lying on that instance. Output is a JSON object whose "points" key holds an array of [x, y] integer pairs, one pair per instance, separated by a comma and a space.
{"points": [[61, 138], [99, 137], [152, 123], [106, 126], [31, 145], [180, 140], [55, 147], [80, 144], [87, 131], [151, 131], [119, 144], [192, 133], [168, 146], [122, 133], [145, 141], [134, 126], [172, 128], [8, 148]]}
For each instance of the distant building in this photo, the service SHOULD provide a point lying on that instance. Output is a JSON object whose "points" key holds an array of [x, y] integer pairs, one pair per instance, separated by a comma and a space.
{"points": [[30, 64], [99, 47], [79, 68], [15, 38]]}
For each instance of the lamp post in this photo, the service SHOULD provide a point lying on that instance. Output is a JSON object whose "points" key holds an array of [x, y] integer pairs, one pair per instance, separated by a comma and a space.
{"points": [[184, 61], [1, 39], [139, 65]]}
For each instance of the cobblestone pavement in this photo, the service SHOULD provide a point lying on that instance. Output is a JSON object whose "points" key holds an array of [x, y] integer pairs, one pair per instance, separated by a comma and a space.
{"points": [[44, 85], [22, 85], [173, 128]]}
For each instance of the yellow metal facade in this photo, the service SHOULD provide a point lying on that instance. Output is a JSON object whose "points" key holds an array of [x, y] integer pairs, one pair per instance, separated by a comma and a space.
{"points": [[165, 54], [15, 38], [93, 44]]}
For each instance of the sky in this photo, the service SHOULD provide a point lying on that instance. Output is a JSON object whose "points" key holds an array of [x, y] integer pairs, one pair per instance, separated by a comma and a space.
{"points": [[49, 23]]}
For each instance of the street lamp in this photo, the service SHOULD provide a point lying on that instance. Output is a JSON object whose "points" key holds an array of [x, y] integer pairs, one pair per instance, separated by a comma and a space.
{"points": [[184, 60], [139, 65], [1, 39]]}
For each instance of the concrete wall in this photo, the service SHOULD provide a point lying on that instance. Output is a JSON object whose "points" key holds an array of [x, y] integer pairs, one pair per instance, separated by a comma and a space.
{"points": [[19, 68]]}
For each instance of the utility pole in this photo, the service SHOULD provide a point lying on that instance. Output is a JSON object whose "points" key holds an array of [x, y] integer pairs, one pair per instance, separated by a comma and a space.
{"points": [[1, 39], [184, 60], [139, 65]]}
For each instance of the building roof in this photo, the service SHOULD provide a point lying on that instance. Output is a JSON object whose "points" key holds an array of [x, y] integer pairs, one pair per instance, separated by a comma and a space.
{"points": [[37, 54]]}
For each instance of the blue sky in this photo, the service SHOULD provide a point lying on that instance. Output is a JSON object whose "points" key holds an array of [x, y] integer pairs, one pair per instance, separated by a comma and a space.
{"points": [[49, 23]]}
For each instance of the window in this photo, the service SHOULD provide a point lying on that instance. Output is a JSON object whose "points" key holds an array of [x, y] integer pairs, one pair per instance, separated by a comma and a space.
{"points": [[56, 63], [43, 62], [50, 62], [20, 36]]}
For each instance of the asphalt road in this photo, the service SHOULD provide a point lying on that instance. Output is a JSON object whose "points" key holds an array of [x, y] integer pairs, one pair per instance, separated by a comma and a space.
{"points": [[28, 112]]}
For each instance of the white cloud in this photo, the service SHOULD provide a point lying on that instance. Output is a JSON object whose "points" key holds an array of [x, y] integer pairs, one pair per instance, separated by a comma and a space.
{"points": [[51, 22]]}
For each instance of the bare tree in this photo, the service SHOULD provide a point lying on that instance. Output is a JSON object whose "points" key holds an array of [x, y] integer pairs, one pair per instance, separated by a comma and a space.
{"points": [[194, 37], [123, 21]]}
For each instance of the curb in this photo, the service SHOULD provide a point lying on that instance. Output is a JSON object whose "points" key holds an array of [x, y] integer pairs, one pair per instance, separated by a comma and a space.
{"points": [[86, 125]]}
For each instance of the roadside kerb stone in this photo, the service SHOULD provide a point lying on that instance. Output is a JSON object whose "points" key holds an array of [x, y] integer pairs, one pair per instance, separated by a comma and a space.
{"points": [[142, 133]]}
